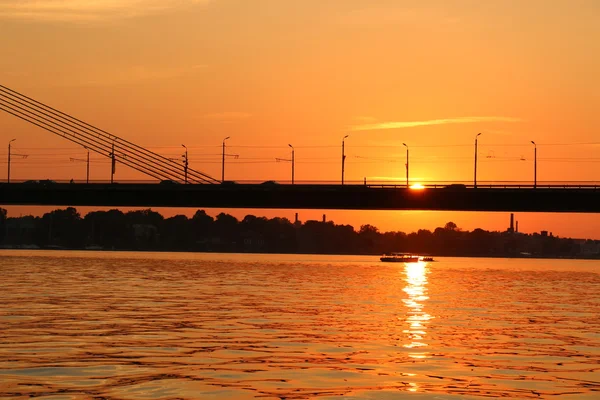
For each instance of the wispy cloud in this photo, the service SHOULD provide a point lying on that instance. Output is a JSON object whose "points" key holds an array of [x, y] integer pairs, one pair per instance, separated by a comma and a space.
{"points": [[86, 10], [444, 121]]}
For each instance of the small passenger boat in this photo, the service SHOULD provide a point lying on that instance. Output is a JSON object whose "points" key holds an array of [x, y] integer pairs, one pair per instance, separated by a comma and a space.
{"points": [[404, 258], [400, 257]]}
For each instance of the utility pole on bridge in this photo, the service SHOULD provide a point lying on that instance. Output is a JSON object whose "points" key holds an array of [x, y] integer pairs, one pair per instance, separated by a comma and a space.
{"points": [[185, 163], [9, 156], [534, 164], [8, 177], [475, 171], [343, 157], [113, 163], [404, 144]]}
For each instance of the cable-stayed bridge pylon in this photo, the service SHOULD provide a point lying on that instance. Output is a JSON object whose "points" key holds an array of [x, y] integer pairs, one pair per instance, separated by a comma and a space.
{"points": [[97, 140]]}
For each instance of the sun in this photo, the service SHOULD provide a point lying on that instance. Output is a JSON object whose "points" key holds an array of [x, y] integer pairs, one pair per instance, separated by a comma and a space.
{"points": [[417, 186]]}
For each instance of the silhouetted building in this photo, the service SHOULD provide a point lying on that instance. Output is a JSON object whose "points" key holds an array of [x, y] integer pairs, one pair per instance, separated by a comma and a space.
{"points": [[511, 228]]}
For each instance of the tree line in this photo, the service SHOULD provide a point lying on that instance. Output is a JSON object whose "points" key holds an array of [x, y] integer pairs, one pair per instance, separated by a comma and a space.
{"points": [[149, 230]]}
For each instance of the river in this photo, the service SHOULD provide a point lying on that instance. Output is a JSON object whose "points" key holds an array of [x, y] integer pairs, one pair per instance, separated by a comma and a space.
{"points": [[118, 325]]}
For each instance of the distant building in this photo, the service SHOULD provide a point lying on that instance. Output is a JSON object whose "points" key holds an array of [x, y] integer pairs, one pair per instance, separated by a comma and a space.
{"points": [[511, 228], [145, 233], [588, 248]]}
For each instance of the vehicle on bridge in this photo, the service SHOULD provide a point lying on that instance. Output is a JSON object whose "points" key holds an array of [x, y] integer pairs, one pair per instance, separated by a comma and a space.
{"points": [[456, 186]]}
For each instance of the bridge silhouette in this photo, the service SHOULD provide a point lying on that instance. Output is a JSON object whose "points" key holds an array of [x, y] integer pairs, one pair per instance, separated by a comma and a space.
{"points": [[581, 199], [205, 191]]}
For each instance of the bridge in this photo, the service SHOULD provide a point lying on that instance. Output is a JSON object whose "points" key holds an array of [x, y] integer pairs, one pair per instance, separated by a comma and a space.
{"points": [[550, 198], [181, 186]]}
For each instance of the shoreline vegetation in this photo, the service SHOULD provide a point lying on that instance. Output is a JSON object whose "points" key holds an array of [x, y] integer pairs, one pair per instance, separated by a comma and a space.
{"points": [[147, 230]]}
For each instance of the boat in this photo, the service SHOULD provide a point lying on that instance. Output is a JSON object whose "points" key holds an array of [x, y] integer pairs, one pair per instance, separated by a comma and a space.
{"points": [[405, 258], [400, 257]]}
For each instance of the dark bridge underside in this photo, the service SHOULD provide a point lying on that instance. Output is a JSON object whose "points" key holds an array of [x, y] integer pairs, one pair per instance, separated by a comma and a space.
{"points": [[348, 197]]}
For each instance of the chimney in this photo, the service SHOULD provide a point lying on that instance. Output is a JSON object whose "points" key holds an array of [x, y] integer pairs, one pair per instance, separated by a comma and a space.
{"points": [[324, 218], [517, 227], [296, 221], [512, 223]]}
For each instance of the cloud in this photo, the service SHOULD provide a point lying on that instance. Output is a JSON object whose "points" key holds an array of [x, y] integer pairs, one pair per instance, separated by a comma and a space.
{"points": [[86, 10], [444, 121]]}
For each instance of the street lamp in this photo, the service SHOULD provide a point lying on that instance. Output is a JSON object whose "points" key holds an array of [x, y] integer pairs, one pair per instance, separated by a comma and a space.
{"points": [[292, 162], [343, 157], [223, 161], [113, 163], [8, 178], [475, 171], [404, 144], [534, 164], [185, 163]]}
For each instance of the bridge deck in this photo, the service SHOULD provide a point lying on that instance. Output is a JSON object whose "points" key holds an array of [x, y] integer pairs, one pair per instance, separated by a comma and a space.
{"points": [[276, 196]]}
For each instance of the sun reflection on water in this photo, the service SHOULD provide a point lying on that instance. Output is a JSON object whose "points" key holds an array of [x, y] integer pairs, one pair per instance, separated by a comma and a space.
{"points": [[416, 319]]}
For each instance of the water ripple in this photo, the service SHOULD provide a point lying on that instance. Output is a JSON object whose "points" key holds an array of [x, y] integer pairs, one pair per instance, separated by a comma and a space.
{"points": [[110, 326]]}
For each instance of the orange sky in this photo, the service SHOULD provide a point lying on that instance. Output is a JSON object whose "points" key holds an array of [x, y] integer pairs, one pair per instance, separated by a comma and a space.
{"points": [[431, 74]]}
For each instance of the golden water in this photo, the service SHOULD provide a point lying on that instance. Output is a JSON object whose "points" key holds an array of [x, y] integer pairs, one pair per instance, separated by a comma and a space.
{"points": [[81, 325]]}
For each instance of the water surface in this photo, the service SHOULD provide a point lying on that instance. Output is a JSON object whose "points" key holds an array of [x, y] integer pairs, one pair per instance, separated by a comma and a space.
{"points": [[113, 325]]}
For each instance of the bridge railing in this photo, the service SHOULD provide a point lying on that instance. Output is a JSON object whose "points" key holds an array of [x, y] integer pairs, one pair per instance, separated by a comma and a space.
{"points": [[594, 185]]}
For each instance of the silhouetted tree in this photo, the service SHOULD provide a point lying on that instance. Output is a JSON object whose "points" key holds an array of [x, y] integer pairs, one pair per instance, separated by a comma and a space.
{"points": [[175, 234], [63, 228], [3, 218], [108, 229], [451, 226], [201, 229], [148, 230]]}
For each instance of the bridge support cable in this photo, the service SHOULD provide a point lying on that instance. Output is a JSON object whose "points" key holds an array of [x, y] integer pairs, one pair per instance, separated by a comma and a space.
{"points": [[101, 148], [82, 143], [97, 144], [103, 139], [83, 140], [96, 139]]}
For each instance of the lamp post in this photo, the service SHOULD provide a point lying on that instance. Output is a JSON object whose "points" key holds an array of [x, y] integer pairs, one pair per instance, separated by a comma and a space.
{"points": [[8, 178], [223, 161], [404, 144], [475, 170], [113, 163], [534, 164], [293, 162], [87, 174], [185, 164], [343, 157]]}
